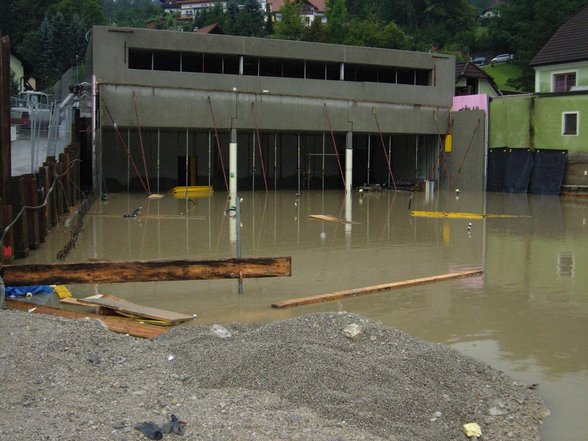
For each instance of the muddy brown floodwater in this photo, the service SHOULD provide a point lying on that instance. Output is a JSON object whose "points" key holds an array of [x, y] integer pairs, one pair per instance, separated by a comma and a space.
{"points": [[527, 315]]}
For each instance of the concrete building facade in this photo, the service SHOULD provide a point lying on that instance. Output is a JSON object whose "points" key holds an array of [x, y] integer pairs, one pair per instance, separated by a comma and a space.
{"points": [[301, 114]]}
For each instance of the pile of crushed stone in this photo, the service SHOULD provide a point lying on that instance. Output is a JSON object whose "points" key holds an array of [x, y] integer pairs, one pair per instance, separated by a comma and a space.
{"points": [[298, 379]]}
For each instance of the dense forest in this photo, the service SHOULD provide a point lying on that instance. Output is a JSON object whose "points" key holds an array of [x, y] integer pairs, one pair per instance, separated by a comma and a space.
{"points": [[52, 34]]}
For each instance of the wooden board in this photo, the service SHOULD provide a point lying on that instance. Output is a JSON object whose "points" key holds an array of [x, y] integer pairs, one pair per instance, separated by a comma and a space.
{"points": [[145, 271], [371, 289], [147, 216], [325, 217], [116, 324], [456, 215], [134, 310]]}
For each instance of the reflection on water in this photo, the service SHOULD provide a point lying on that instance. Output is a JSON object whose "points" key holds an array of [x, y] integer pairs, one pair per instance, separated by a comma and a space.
{"points": [[528, 314]]}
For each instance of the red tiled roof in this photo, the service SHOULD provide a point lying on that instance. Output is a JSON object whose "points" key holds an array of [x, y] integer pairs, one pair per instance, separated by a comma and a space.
{"points": [[569, 43], [210, 29]]}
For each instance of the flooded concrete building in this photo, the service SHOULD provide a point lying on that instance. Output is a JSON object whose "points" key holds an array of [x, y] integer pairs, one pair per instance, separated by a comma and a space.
{"points": [[300, 115]]}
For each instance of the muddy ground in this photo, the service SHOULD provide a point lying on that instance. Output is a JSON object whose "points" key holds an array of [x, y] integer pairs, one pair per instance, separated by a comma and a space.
{"points": [[298, 379]]}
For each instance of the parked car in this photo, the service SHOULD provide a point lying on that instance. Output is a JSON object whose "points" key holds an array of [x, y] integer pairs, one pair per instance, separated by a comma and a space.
{"points": [[479, 61], [502, 58]]}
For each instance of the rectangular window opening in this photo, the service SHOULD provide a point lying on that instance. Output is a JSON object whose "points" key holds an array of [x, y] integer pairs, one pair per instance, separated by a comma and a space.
{"points": [[315, 70], [250, 66], [406, 76], [293, 68], [423, 77], [140, 59], [333, 71], [213, 63], [166, 60], [387, 75], [191, 62], [350, 72], [231, 64], [270, 67], [570, 123], [564, 82]]}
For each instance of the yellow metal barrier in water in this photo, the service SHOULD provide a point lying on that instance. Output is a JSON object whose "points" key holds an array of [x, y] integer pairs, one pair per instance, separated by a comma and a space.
{"points": [[457, 215]]}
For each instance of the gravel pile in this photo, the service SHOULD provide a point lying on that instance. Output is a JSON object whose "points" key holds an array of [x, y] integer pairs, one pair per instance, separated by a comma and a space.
{"points": [[299, 379]]}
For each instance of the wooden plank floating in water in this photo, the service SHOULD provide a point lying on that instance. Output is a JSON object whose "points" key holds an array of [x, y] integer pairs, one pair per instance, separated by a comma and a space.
{"points": [[145, 271], [148, 216], [456, 215], [371, 289], [121, 325], [324, 217]]}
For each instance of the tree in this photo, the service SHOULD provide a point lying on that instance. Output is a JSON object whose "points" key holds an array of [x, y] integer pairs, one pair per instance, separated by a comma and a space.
{"points": [[249, 20], [316, 32], [291, 26], [269, 20], [133, 13], [22, 17], [337, 21], [89, 11], [210, 16], [375, 34]]}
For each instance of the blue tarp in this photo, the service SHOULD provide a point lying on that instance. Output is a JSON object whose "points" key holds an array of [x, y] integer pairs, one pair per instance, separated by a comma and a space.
{"points": [[21, 291]]}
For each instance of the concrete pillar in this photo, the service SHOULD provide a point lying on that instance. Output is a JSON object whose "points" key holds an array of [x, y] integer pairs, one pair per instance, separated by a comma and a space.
{"points": [[233, 163], [233, 187], [349, 162]]}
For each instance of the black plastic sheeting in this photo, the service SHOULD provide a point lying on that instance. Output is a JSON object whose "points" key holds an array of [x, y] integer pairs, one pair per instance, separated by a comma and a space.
{"points": [[524, 171], [548, 171], [496, 169]]}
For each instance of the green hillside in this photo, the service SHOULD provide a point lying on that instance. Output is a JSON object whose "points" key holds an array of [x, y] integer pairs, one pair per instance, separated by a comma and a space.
{"points": [[501, 73]]}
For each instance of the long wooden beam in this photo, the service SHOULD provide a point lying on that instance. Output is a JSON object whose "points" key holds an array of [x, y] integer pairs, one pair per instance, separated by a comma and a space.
{"points": [[145, 271], [371, 289], [116, 324]]}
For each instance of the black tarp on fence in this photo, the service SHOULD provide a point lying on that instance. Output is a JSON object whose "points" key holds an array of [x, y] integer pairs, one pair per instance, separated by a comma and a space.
{"points": [[522, 170], [548, 171]]}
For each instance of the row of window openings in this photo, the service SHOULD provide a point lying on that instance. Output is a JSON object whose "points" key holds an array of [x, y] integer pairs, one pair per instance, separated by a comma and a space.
{"points": [[271, 67]]}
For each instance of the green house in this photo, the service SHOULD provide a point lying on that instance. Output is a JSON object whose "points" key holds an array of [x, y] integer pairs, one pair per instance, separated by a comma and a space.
{"points": [[555, 117]]}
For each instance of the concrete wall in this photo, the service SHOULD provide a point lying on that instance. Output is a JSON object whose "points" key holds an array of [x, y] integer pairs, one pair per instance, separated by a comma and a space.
{"points": [[510, 121], [466, 164], [289, 112], [536, 121], [181, 99]]}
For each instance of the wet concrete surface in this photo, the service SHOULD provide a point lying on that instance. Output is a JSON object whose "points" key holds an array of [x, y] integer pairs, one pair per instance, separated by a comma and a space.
{"points": [[527, 315]]}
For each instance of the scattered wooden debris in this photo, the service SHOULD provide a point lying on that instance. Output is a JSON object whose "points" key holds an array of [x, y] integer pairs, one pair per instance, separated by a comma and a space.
{"points": [[371, 289], [113, 323], [112, 305]]}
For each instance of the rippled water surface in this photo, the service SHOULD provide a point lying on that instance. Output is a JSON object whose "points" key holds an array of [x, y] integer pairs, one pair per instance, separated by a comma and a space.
{"points": [[527, 315]]}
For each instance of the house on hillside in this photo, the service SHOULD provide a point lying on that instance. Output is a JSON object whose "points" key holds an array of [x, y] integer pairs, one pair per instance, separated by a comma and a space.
{"points": [[311, 10], [189, 9], [471, 80], [553, 121]]}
